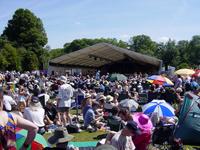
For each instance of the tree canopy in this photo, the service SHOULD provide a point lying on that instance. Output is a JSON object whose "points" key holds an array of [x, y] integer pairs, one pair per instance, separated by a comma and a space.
{"points": [[142, 44], [26, 31], [82, 43]]}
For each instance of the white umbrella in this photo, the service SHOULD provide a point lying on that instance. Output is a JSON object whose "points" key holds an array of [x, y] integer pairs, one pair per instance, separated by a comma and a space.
{"points": [[129, 103]]}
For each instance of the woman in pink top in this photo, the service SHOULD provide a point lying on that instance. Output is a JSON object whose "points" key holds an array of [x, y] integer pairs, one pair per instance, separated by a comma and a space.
{"points": [[145, 125]]}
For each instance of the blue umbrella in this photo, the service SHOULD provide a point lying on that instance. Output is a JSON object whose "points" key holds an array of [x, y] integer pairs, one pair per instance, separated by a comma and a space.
{"points": [[161, 107]]}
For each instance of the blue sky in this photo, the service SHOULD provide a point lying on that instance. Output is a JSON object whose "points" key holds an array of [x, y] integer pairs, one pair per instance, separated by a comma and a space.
{"points": [[66, 20]]}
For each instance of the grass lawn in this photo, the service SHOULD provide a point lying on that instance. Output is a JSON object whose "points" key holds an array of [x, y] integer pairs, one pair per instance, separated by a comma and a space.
{"points": [[83, 136], [73, 111], [95, 136]]}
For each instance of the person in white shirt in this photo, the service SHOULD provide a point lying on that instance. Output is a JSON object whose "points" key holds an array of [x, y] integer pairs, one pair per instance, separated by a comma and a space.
{"points": [[65, 93], [122, 139], [36, 114], [8, 101]]}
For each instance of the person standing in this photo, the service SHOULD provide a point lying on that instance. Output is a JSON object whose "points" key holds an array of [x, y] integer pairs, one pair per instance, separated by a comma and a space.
{"points": [[97, 77], [65, 93], [178, 82]]}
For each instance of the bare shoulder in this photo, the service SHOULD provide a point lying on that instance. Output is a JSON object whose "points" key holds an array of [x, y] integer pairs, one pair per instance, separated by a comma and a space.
{"points": [[3, 118]]}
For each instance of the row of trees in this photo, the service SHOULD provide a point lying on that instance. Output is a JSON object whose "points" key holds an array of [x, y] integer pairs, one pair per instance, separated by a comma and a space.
{"points": [[181, 54], [22, 46]]}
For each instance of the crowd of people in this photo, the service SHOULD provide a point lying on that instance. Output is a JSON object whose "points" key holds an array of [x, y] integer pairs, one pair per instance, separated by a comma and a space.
{"points": [[41, 103]]}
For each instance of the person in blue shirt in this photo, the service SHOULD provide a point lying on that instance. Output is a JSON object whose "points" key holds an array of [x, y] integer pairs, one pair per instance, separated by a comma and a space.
{"points": [[89, 116]]}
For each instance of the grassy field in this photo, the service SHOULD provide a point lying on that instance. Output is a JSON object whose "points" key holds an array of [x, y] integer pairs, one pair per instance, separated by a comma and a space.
{"points": [[83, 136], [95, 136]]}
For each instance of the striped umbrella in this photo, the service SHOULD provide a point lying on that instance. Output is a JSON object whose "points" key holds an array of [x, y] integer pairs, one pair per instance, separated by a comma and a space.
{"points": [[160, 80], [161, 107], [196, 74], [39, 142]]}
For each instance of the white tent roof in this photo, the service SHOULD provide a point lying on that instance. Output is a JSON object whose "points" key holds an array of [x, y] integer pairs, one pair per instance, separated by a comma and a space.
{"points": [[101, 54]]}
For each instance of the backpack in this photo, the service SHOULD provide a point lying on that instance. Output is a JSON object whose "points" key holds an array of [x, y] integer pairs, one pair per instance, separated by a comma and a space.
{"points": [[72, 128]]}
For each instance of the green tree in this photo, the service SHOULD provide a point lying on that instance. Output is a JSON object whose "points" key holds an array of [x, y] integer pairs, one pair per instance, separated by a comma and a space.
{"points": [[30, 61], [82, 43], [9, 57], [169, 54], [56, 53], [194, 50], [142, 44], [3, 62], [182, 47], [26, 30]]}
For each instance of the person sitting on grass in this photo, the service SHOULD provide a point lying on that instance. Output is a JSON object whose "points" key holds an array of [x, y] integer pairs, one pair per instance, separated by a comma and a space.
{"points": [[114, 121], [122, 139], [89, 115], [36, 114], [50, 112]]}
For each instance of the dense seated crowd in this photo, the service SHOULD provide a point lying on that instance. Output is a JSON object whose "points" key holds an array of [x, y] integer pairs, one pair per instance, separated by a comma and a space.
{"points": [[46, 100]]}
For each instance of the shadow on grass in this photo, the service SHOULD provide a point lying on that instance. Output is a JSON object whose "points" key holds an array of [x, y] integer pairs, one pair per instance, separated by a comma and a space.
{"points": [[99, 137]]}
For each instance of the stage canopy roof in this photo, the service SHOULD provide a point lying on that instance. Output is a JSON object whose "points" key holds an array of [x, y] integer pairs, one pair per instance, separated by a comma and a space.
{"points": [[102, 54]]}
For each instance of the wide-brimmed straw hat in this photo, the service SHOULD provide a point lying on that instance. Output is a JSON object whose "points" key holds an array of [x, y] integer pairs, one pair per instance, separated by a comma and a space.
{"points": [[60, 136], [109, 98], [63, 79], [87, 95], [143, 121]]}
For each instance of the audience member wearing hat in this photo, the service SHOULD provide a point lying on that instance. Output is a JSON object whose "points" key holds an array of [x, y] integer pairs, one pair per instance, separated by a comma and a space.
{"points": [[101, 99], [143, 122], [89, 114], [60, 138], [179, 98], [35, 113], [65, 93], [122, 139], [145, 125], [63, 79], [115, 99], [86, 101], [108, 106], [51, 112], [109, 98], [131, 128]]}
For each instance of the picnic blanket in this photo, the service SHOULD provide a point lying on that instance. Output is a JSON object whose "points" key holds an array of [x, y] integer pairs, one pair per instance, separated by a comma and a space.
{"points": [[89, 145]]}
